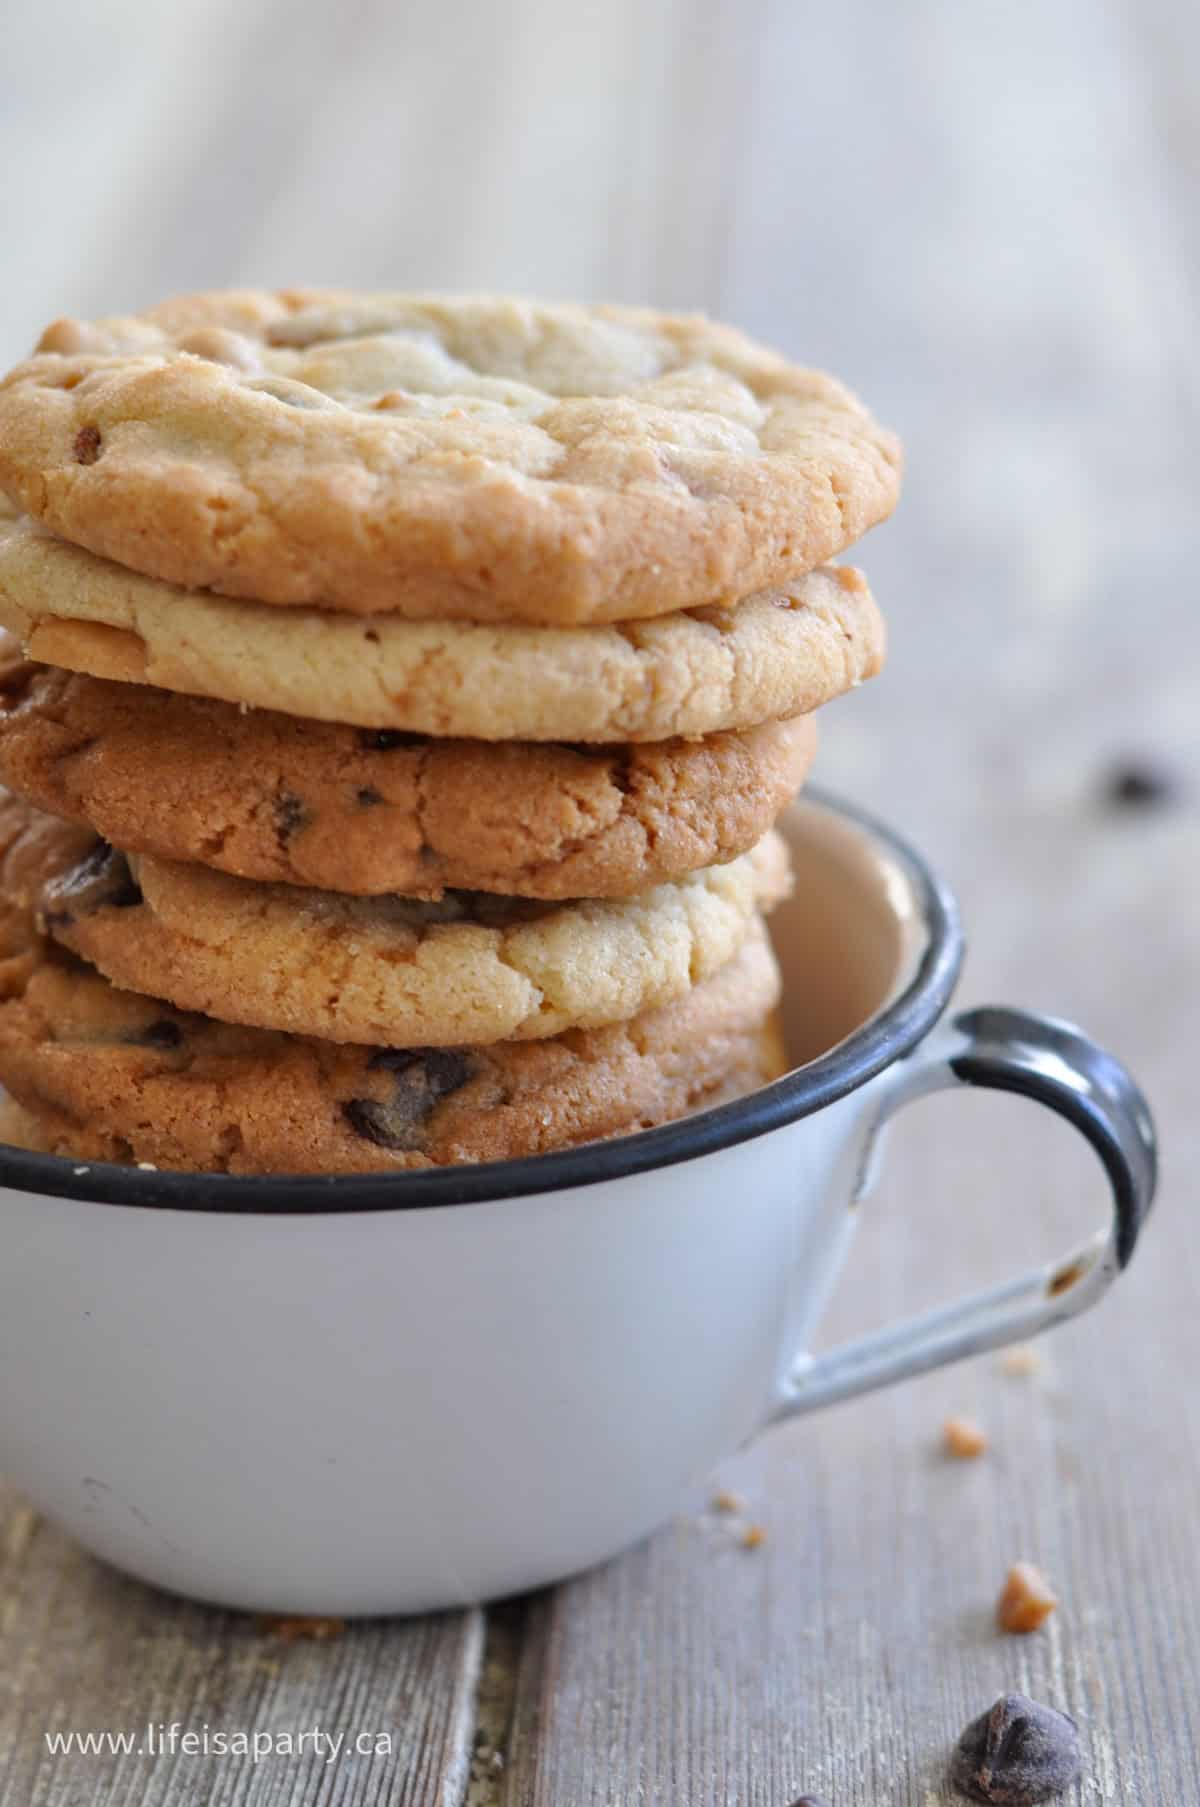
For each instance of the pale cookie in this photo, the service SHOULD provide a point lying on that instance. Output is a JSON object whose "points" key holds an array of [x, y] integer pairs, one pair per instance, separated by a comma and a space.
{"points": [[781, 653], [366, 810], [102, 1074], [473, 967], [475, 458]]}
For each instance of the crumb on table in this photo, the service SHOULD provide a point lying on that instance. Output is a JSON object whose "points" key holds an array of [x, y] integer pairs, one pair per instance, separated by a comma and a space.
{"points": [[1021, 1361], [1027, 1599], [297, 1630], [963, 1439]]}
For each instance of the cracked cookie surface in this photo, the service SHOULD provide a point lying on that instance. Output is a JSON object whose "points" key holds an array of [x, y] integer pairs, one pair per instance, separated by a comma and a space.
{"points": [[471, 458], [366, 811], [778, 654], [472, 967], [102, 1074]]}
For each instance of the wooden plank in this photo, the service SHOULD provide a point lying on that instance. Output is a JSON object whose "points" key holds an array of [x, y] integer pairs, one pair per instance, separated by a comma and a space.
{"points": [[1162, 40], [587, 151], [83, 1649], [844, 1654], [504, 147], [989, 254], [97, 108]]}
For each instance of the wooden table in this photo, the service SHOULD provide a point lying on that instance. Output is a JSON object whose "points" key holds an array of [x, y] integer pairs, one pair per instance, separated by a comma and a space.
{"points": [[985, 218]]}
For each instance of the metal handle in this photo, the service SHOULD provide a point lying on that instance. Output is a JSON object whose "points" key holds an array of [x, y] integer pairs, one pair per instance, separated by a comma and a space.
{"points": [[1055, 1063]]}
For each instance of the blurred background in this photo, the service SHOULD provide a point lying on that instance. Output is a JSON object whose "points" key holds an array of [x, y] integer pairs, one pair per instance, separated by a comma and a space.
{"points": [[983, 217]]}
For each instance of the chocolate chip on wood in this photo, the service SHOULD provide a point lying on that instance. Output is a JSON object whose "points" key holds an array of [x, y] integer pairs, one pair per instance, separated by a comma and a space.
{"points": [[1017, 1754]]}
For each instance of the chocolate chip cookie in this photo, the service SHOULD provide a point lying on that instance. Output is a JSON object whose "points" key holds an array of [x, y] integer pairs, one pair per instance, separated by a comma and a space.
{"points": [[473, 458], [103, 1074], [472, 967], [780, 653], [367, 810]]}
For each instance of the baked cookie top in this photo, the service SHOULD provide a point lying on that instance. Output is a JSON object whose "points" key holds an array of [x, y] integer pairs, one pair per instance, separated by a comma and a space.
{"points": [[783, 652], [471, 458], [367, 810], [111, 1075], [474, 967]]}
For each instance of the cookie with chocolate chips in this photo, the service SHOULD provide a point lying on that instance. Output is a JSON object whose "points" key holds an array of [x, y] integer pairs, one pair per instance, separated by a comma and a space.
{"points": [[368, 811], [471, 458], [470, 967], [780, 652], [103, 1074]]}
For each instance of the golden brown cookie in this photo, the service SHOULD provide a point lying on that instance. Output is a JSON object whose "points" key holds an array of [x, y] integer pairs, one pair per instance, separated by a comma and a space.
{"points": [[779, 654], [473, 967], [21, 1129], [474, 458], [35, 849], [364, 810], [102, 1074]]}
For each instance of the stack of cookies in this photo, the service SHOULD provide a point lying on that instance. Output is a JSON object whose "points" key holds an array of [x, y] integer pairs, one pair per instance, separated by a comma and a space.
{"points": [[396, 701]]}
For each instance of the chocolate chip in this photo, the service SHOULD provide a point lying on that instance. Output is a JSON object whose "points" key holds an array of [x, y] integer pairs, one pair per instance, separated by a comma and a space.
{"points": [[379, 1123], [290, 815], [422, 1077], [384, 740], [102, 881], [87, 445], [1141, 784], [162, 1033], [809, 1800], [368, 796], [1017, 1754]]}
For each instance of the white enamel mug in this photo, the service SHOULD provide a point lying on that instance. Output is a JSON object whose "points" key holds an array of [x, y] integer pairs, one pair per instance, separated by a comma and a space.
{"points": [[345, 1395]]}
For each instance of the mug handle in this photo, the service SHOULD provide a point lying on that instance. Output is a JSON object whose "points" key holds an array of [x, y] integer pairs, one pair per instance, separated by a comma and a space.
{"points": [[1053, 1062]]}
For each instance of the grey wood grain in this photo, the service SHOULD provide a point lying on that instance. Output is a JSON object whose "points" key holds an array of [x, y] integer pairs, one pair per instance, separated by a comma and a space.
{"points": [[996, 260], [86, 1650]]}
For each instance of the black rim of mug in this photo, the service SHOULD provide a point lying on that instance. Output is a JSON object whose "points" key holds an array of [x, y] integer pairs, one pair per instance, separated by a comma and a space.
{"points": [[885, 1037]]}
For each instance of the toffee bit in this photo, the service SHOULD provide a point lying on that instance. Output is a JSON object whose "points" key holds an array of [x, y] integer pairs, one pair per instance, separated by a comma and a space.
{"points": [[753, 1537], [1027, 1600], [963, 1439], [300, 1630], [724, 1501]]}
